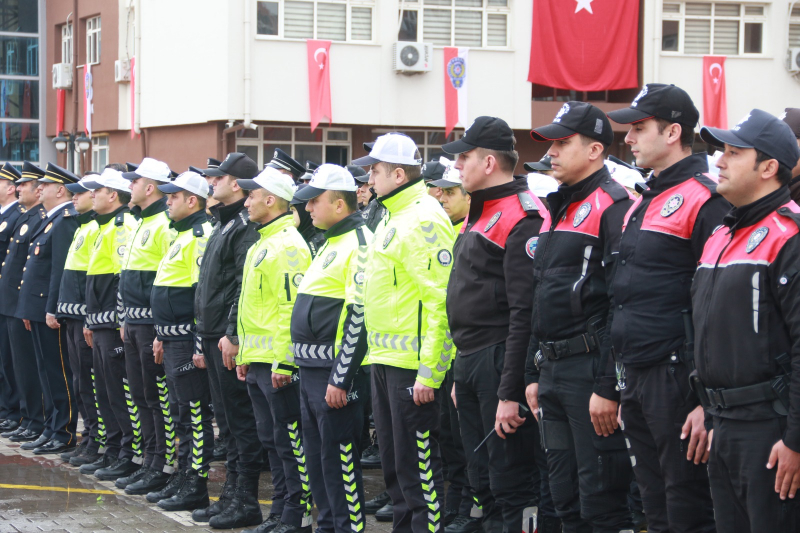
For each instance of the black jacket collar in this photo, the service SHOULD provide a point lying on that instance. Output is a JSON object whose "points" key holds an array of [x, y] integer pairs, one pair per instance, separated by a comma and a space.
{"points": [[155, 208], [348, 223], [568, 194], [85, 218], [224, 213], [195, 219], [102, 220], [511, 188], [747, 215], [678, 173]]}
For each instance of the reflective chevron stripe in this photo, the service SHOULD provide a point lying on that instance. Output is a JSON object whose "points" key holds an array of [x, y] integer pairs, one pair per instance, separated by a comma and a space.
{"points": [[426, 477], [404, 343], [101, 426], [300, 456], [138, 312], [444, 360], [256, 341], [312, 351], [133, 414], [99, 319], [169, 425], [197, 438], [351, 482], [174, 331], [71, 309]]}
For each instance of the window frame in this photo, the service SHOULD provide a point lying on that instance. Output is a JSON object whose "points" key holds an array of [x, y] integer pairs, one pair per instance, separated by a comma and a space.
{"points": [[486, 10], [93, 34], [794, 20], [100, 143], [259, 141], [67, 42], [742, 18], [349, 5]]}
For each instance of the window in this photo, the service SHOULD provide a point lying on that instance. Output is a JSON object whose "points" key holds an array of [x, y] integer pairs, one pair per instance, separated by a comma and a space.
{"points": [[19, 16], [66, 43], [335, 20], [93, 41], [324, 145], [794, 27], [99, 153], [429, 142], [474, 23], [712, 28]]}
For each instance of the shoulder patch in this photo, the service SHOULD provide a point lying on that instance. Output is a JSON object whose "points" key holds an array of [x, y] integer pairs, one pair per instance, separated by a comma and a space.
{"points": [[227, 227], [145, 236], [329, 259], [48, 227], [359, 277], [672, 204], [493, 221], [79, 242], [389, 237], [175, 250], [445, 257], [297, 279], [4, 225], [756, 237], [581, 214], [260, 257], [530, 246]]}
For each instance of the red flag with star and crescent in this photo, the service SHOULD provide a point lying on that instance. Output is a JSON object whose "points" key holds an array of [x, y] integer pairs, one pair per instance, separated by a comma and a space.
{"points": [[319, 81], [715, 98], [585, 45]]}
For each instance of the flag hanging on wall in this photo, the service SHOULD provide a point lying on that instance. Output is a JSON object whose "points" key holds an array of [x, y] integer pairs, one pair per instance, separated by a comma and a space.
{"points": [[319, 81], [87, 100], [61, 97], [715, 99], [455, 88], [133, 97]]}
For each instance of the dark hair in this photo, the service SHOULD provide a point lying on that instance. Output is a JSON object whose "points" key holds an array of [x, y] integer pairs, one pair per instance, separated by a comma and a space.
{"points": [[350, 199], [412, 172], [784, 173], [506, 159], [117, 166], [90, 173], [200, 200], [124, 197], [687, 133], [588, 140]]}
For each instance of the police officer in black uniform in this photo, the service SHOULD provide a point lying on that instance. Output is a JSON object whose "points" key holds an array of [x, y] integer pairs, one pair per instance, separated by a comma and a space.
{"points": [[573, 268], [286, 164], [32, 432], [662, 240], [791, 116], [745, 295], [10, 211], [38, 305]]}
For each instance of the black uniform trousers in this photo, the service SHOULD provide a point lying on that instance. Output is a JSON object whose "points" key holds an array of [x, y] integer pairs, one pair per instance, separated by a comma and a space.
{"points": [[590, 475], [9, 393], [26, 376], [278, 417], [459, 494], [80, 361], [331, 443], [55, 376], [503, 472], [675, 492], [743, 489], [409, 447], [148, 387], [233, 411], [194, 405], [108, 354]]}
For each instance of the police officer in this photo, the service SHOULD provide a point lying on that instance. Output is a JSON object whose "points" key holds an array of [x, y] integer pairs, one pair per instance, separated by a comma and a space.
{"points": [[410, 346], [10, 211], [286, 164], [454, 198], [573, 268], [313, 236], [37, 308], [123, 455], [662, 240], [329, 344], [71, 312], [747, 328], [791, 116], [149, 242], [490, 320], [273, 270], [216, 307], [176, 343], [31, 432]]}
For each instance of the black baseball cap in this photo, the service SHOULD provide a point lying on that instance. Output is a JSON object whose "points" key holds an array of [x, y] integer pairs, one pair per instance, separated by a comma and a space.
{"points": [[573, 118], [791, 116], [432, 170], [358, 173], [543, 165], [761, 131], [659, 100], [239, 166], [491, 133]]}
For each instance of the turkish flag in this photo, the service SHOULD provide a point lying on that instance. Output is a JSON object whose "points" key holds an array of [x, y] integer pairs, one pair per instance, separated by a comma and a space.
{"points": [[715, 99], [319, 81], [61, 96], [585, 45]]}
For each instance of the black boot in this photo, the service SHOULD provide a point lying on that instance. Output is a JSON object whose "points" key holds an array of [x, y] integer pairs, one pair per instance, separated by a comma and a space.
{"points": [[67, 456], [244, 510], [549, 525], [385, 513], [87, 456], [371, 458], [193, 494], [377, 503], [225, 497], [170, 489], [464, 524], [104, 461], [220, 449], [152, 481], [122, 468], [123, 482], [286, 528], [267, 525]]}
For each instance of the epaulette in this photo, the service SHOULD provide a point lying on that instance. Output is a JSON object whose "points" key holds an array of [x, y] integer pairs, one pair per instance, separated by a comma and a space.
{"points": [[615, 190], [362, 240], [707, 180], [788, 213], [66, 213], [119, 220], [526, 201], [42, 212], [22, 210], [199, 230]]}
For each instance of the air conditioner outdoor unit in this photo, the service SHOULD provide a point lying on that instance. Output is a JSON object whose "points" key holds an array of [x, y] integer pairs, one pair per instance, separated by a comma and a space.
{"points": [[62, 76], [412, 58], [793, 60], [122, 70]]}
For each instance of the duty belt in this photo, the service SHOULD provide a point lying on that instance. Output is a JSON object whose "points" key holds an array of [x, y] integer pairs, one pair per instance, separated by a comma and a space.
{"points": [[585, 343], [727, 398]]}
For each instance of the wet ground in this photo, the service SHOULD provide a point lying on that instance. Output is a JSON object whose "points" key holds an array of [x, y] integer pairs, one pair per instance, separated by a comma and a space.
{"points": [[42, 493]]}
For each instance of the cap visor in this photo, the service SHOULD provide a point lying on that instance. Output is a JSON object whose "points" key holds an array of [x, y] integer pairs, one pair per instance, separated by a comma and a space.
{"points": [[362, 179], [365, 161], [212, 172], [92, 185], [719, 137], [552, 132], [170, 188], [457, 147], [46, 179], [628, 115], [307, 193], [248, 185], [131, 176], [444, 184], [76, 188], [536, 167], [23, 180], [368, 146]]}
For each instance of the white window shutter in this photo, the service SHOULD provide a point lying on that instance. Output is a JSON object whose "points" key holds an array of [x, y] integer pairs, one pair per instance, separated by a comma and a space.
{"points": [[298, 20], [332, 21], [436, 26]]}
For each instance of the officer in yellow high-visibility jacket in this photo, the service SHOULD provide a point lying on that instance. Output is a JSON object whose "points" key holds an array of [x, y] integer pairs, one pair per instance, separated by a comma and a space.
{"points": [[172, 302], [410, 347], [273, 270]]}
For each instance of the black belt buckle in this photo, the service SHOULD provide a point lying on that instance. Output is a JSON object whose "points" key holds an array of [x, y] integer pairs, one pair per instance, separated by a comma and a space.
{"points": [[715, 398], [548, 350]]}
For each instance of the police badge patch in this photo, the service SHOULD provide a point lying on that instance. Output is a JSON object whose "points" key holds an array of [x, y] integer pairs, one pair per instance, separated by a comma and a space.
{"points": [[260, 257], [359, 277], [756, 237], [4, 225], [672, 204], [145, 236], [23, 230], [175, 250], [493, 221], [389, 237], [49, 227], [227, 227], [121, 250], [79, 243], [530, 246], [329, 259], [580, 216], [444, 257], [297, 279]]}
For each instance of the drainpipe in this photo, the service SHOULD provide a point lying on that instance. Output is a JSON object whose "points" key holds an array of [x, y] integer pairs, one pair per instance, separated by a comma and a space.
{"points": [[75, 64], [247, 77], [137, 126]]}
